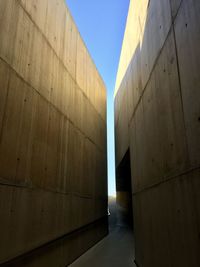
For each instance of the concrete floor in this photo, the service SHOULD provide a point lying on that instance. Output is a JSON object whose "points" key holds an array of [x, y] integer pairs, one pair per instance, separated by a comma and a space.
{"points": [[116, 250]]}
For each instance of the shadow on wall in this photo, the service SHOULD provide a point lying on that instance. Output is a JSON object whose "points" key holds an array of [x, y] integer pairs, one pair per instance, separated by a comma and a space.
{"points": [[124, 192], [157, 111]]}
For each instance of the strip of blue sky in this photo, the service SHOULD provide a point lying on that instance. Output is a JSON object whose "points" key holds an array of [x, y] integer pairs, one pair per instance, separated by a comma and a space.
{"points": [[102, 24]]}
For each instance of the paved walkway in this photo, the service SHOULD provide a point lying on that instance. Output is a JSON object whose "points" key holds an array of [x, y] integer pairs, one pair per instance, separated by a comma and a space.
{"points": [[116, 250]]}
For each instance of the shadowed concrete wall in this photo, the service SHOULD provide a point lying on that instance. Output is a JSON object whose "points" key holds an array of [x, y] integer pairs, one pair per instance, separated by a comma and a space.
{"points": [[157, 117], [53, 185]]}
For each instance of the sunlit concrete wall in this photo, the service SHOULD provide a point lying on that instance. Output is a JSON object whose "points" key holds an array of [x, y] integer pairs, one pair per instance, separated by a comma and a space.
{"points": [[157, 117], [53, 185]]}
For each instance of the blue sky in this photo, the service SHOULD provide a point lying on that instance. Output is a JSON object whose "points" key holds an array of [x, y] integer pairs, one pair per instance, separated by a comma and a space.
{"points": [[101, 24]]}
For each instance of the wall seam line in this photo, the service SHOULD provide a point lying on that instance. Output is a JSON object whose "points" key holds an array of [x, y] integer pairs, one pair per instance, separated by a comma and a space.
{"points": [[59, 59], [58, 110], [167, 179]]}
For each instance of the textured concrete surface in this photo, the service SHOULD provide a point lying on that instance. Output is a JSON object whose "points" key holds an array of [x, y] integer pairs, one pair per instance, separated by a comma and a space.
{"points": [[157, 119], [53, 167], [116, 250]]}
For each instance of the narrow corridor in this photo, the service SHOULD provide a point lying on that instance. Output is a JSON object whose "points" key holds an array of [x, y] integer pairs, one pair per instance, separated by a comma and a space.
{"points": [[116, 249]]}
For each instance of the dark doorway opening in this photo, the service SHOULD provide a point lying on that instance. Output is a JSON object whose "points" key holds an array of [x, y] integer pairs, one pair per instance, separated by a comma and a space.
{"points": [[124, 189]]}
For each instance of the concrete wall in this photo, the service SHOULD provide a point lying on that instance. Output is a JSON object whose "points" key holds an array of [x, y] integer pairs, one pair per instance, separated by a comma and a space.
{"points": [[53, 184], [157, 117]]}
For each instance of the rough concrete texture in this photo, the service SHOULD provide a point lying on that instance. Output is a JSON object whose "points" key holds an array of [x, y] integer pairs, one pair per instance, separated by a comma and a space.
{"points": [[157, 118], [52, 135]]}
